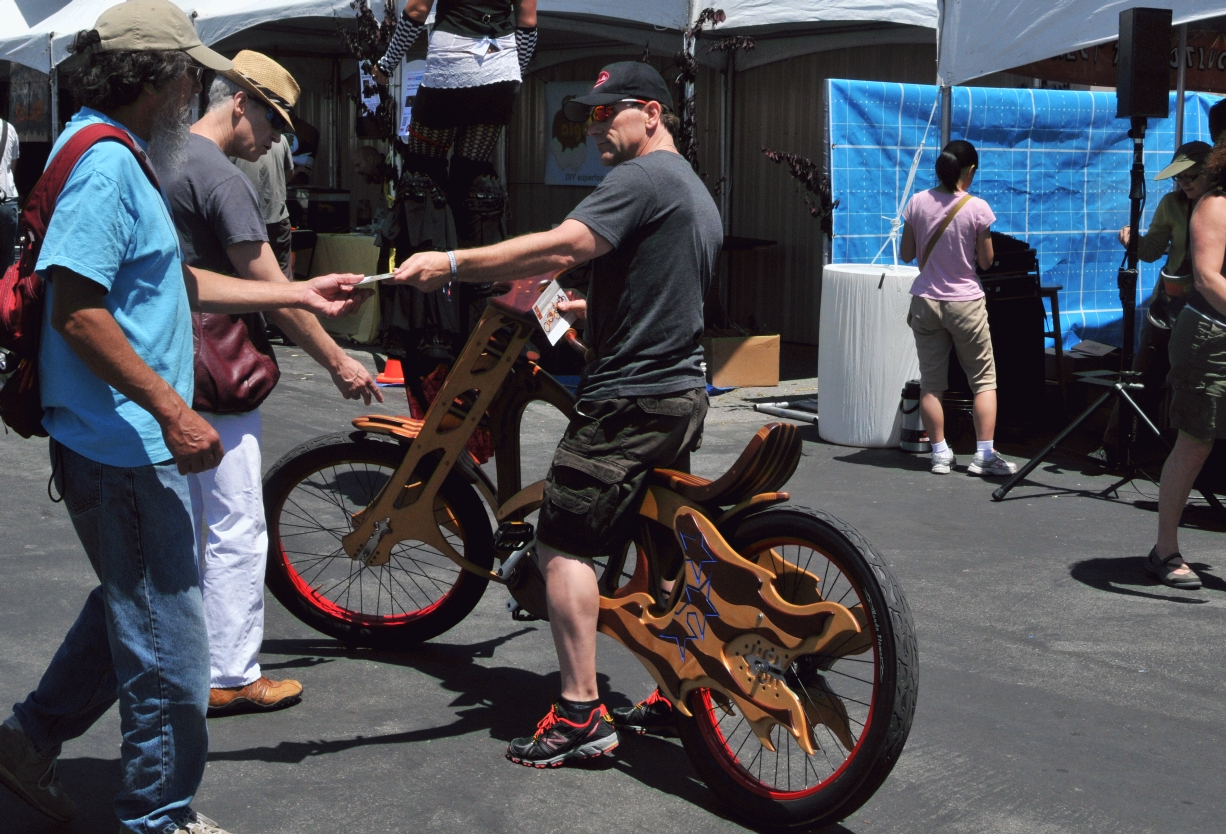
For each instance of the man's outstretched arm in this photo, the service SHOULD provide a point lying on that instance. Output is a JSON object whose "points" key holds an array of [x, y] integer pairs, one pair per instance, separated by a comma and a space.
{"points": [[569, 245]]}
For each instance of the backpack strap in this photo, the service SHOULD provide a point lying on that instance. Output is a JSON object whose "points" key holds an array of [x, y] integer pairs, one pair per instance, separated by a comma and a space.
{"points": [[932, 241], [41, 203]]}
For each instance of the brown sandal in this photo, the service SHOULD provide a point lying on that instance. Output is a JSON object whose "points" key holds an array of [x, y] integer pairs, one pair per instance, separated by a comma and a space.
{"points": [[1165, 569]]}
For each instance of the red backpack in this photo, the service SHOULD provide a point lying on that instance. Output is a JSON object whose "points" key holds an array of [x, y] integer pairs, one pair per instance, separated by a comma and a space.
{"points": [[21, 289]]}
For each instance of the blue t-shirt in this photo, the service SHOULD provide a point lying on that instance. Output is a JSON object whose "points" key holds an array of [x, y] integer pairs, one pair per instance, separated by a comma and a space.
{"points": [[112, 226]]}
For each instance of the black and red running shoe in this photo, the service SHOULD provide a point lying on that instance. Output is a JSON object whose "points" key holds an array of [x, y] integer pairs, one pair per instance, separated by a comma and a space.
{"points": [[654, 716], [558, 738]]}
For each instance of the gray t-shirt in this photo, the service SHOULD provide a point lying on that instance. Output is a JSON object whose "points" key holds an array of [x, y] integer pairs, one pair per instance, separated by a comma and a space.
{"points": [[645, 301], [268, 174], [215, 206]]}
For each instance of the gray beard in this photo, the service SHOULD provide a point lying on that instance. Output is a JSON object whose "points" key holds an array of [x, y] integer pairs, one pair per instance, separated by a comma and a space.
{"points": [[168, 138]]}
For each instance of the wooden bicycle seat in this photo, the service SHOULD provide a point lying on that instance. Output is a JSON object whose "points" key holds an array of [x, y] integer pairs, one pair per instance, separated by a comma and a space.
{"points": [[767, 463]]}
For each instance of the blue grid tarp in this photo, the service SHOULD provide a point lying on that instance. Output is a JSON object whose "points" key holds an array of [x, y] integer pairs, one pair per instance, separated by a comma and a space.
{"points": [[1053, 165]]}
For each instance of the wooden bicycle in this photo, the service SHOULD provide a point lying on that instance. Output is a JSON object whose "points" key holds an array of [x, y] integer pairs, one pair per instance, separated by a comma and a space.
{"points": [[784, 641]]}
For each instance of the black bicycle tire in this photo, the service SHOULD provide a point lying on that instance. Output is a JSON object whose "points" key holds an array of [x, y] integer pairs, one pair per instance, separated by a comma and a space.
{"points": [[895, 693], [461, 497]]}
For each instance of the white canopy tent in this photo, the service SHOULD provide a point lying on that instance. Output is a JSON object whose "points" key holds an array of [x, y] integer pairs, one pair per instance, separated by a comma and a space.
{"points": [[44, 45], [978, 37], [37, 33]]}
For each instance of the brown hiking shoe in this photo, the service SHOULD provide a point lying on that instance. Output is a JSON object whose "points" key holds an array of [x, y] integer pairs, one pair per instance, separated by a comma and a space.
{"points": [[262, 695], [31, 776]]}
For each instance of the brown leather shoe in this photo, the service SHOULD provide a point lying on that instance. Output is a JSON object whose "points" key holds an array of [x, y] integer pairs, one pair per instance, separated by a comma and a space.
{"points": [[263, 695]]}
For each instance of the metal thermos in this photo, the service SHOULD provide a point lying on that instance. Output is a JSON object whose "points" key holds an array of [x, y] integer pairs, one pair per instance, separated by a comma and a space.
{"points": [[913, 437]]}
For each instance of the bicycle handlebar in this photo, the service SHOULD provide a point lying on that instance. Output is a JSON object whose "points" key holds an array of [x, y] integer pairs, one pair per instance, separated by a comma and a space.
{"points": [[572, 339]]}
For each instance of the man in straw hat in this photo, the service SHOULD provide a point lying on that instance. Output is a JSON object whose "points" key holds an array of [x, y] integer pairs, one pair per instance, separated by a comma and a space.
{"points": [[653, 235], [116, 367], [221, 227]]}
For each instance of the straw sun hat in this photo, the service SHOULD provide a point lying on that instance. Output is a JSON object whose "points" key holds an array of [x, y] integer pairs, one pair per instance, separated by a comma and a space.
{"points": [[267, 80]]}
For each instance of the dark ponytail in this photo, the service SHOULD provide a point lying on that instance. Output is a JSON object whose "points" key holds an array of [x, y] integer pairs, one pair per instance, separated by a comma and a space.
{"points": [[955, 157]]}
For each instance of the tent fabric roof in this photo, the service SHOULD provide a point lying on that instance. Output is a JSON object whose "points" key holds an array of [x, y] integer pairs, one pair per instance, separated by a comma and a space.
{"points": [[45, 43], [38, 32], [977, 37]]}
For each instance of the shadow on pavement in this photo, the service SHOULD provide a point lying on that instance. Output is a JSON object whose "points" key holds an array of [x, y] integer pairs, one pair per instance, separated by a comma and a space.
{"points": [[1125, 574], [1195, 516], [886, 459], [92, 783], [501, 701]]}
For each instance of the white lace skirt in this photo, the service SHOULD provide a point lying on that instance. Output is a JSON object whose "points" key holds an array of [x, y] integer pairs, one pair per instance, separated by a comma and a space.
{"points": [[454, 61]]}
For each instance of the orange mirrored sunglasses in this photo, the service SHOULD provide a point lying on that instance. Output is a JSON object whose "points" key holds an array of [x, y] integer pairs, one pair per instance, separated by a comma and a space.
{"points": [[604, 112]]}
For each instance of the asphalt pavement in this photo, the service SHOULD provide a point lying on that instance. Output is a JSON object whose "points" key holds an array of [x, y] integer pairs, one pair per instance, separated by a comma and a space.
{"points": [[1061, 690]]}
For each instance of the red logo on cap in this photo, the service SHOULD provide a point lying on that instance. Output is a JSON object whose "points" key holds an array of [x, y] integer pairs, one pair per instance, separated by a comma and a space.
{"points": [[600, 79]]}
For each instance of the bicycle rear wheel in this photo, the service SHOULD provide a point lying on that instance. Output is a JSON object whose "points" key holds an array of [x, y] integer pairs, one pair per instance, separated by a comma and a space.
{"points": [[310, 497], [860, 696]]}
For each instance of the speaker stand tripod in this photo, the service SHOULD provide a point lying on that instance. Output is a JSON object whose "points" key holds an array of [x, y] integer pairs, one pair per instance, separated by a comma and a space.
{"points": [[1118, 384]]}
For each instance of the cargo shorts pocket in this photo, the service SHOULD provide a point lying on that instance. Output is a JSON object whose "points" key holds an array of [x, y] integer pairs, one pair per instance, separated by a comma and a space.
{"points": [[682, 406], [576, 483]]}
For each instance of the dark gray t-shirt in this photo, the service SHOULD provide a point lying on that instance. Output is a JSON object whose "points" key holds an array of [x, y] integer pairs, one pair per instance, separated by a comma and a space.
{"points": [[645, 301], [214, 205]]}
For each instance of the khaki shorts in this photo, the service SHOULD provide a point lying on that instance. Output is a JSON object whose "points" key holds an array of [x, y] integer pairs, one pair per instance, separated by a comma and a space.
{"points": [[962, 324], [1198, 376]]}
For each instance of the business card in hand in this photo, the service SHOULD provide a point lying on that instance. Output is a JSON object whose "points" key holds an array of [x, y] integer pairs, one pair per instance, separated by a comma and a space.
{"points": [[553, 321]]}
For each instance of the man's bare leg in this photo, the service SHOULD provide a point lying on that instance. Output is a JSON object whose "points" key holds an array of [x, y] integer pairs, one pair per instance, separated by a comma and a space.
{"points": [[573, 598]]}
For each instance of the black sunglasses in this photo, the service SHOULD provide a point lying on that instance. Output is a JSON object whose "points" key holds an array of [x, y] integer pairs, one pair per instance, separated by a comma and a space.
{"points": [[278, 122]]}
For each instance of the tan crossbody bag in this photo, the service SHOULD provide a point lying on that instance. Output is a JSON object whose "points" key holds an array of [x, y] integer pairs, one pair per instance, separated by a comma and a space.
{"points": [[941, 229]]}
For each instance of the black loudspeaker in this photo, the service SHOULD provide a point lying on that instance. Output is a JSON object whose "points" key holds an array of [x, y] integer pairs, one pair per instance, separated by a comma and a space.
{"points": [[1143, 74]]}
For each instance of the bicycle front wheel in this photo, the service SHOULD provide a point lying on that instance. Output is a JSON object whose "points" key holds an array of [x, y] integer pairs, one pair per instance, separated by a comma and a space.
{"points": [[860, 696], [310, 497]]}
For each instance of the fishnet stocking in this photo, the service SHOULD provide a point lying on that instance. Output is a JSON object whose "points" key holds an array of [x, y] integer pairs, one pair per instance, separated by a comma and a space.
{"points": [[474, 142]]}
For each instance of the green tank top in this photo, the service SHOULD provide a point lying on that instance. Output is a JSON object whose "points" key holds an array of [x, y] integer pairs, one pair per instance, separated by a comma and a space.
{"points": [[475, 18]]}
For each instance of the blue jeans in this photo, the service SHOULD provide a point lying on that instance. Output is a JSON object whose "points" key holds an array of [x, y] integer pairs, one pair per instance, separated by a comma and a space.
{"points": [[140, 639]]}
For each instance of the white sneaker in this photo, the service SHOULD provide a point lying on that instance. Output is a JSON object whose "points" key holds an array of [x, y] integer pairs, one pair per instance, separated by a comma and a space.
{"points": [[994, 466], [197, 824], [943, 462]]}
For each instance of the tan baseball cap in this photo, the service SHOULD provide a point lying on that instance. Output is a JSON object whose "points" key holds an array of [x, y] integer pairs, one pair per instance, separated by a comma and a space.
{"points": [[154, 25], [267, 80]]}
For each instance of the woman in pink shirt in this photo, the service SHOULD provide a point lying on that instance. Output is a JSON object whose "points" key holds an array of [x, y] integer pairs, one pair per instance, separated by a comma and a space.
{"points": [[951, 232]]}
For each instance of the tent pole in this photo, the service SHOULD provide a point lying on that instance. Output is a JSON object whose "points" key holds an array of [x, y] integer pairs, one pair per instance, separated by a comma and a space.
{"points": [[1179, 83], [946, 114], [53, 80]]}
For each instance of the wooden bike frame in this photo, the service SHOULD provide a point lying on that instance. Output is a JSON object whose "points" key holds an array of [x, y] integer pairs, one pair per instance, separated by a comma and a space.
{"points": [[724, 625]]}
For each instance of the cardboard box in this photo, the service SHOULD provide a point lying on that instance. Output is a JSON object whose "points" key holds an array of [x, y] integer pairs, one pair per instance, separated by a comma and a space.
{"points": [[742, 361]]}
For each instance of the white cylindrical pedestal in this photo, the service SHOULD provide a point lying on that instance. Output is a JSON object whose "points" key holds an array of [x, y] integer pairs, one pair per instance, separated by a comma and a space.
{"points": [[866, 353]]}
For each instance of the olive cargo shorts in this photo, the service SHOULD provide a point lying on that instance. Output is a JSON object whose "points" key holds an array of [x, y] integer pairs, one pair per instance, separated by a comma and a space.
{"points": [[1198, 376], [600, 469]]}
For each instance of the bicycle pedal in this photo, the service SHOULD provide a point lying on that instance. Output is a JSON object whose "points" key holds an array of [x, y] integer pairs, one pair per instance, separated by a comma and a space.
{"points": [[520, 614], [513, 535]]}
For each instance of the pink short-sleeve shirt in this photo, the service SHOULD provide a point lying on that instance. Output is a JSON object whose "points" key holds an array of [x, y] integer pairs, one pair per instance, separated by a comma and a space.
{"points": [[949, 274]]}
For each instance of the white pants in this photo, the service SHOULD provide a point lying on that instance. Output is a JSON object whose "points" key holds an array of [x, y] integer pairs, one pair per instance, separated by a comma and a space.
{"points": [[228, 507]]}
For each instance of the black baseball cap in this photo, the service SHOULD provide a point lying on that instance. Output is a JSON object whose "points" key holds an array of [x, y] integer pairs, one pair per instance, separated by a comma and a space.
{"points": [[625, 79]]}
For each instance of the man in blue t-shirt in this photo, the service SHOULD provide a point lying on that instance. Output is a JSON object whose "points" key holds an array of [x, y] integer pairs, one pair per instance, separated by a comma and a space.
{"points": [[115, 362], [653, 235]]}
